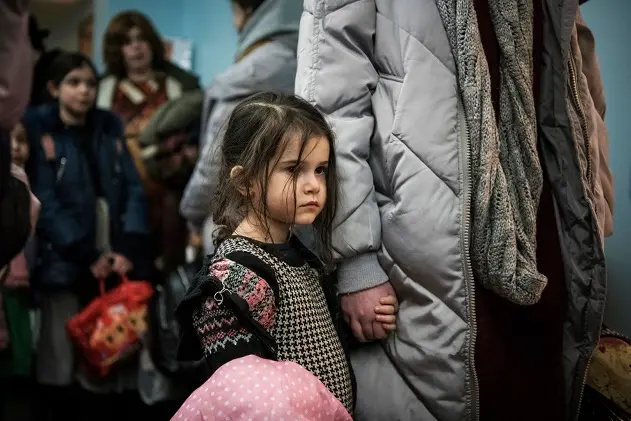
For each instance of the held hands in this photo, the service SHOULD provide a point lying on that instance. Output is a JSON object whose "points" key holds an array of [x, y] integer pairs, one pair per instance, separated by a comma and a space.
{"points": [[108, 263], [371, 313], [120, 264], [101, 269]]}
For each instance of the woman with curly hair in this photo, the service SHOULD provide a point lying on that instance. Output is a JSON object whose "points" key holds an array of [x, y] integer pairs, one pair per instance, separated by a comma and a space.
{"points": [[139, 79]]}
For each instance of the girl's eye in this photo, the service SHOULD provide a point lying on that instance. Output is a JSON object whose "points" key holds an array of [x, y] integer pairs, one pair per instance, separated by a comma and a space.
{"points": [[292, 169], [321, 170]]}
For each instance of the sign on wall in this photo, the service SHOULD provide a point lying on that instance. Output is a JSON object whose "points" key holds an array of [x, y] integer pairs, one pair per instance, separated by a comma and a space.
{"points": [[180, 52]]}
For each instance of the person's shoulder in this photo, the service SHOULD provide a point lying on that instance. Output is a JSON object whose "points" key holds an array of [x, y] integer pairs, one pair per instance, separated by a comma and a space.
{"points": [[107, 79], [188, 80], [108, 121], [41, 117], [105, 115], [242, 258]]}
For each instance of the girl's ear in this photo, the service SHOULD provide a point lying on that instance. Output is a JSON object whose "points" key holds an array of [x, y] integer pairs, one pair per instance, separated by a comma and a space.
{"points": [[235, 172], [53, 89]]}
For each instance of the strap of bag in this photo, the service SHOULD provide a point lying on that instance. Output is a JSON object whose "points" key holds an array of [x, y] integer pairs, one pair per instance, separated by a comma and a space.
{"points": [[123, 279]]}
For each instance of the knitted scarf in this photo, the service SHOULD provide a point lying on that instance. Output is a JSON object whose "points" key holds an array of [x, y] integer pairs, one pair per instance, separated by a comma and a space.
{"points": [[505, 169]]}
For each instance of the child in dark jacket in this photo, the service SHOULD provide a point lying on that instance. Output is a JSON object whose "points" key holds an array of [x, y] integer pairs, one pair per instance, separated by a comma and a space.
{"points": [[93, 218]]}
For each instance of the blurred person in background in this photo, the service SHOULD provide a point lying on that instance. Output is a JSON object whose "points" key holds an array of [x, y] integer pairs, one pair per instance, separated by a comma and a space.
{"points": [[37, 36], [43, 58], [16, 337], [138, 81], [93, 224], [16, 204], [15, 80], [265, 61]]}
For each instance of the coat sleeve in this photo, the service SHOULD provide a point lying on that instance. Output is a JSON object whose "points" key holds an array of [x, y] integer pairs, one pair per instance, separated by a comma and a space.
{"points": [[16, 58], [198, 194], [336, 74], [221, 335], [591, 71], [135, 218]]}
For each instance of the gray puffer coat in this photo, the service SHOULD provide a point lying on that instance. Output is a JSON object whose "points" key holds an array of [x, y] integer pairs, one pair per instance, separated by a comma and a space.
{"points": [[383, 72]]}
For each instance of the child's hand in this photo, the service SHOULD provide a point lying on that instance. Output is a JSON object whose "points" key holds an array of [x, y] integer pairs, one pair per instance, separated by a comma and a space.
{"points": [[120, 264], [101, 268], [386, 312]]}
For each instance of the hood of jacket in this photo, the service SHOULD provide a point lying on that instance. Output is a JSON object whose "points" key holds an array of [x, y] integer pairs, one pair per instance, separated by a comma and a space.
{"points": [[270, 66], [272, 18]]}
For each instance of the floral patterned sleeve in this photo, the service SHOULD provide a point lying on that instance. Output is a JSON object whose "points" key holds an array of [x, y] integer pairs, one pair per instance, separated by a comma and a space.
{"points": [[221, 335]]}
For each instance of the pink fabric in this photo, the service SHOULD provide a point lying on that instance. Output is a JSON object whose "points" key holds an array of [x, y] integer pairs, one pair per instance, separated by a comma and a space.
{"points": [[254, 389], [18, 269]]}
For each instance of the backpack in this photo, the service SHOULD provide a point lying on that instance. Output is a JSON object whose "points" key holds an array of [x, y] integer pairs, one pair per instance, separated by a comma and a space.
{"points": [[163, 333]]}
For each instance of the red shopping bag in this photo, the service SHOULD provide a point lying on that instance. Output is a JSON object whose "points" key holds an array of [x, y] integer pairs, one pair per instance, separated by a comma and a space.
{"points": [[108, 330]]}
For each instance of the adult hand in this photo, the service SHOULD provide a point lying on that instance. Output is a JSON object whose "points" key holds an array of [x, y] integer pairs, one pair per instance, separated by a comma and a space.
{"points": [[359, 311], [101, 269], [120, 264]]}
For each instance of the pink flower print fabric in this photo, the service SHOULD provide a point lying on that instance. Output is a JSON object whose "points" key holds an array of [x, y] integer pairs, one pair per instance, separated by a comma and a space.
{"points": [[255, 389]]}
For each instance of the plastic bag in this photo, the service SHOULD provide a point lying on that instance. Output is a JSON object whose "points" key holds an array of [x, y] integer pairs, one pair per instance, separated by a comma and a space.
{"points": [[108, 330]]}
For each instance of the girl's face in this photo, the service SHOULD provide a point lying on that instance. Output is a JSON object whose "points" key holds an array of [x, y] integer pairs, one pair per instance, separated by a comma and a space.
{"points": [[239, 16], [137, 52], [77, 91], [19, 146], [296, 188]]}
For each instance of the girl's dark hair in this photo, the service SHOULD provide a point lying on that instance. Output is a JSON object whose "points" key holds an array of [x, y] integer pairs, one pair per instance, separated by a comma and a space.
{"points": [[41, 72], [255, 137], [117, 35], [248, 4], [65, 63]]}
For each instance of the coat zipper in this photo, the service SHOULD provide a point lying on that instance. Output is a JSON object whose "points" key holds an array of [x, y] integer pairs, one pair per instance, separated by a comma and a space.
{"points": [[61, 169], [581, 115], [465, 236], [583, 384], [583, 121]]}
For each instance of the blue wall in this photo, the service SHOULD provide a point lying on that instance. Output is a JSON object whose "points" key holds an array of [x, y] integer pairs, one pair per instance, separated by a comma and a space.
{"points": [[208, 24], [609, 20]]}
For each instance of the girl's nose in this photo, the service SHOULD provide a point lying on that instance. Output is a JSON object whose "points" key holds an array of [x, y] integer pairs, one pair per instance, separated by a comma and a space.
{"points": [[312, 184]]}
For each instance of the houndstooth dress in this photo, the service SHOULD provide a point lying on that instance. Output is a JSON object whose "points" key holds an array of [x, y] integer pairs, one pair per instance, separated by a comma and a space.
{"points": [[303, 329]]}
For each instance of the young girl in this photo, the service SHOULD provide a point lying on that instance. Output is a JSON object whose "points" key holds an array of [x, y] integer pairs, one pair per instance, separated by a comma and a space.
{"points": [[93, 216], [263, 292]]}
